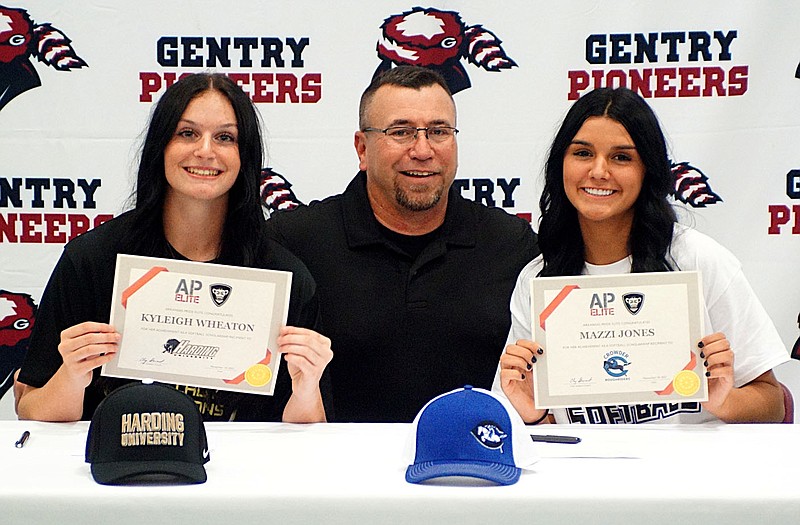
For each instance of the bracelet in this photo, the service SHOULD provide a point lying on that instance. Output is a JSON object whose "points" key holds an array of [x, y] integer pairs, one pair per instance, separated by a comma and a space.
{"points": [[546, 413]]}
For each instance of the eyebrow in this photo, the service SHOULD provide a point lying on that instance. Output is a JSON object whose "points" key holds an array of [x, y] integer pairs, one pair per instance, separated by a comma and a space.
{"points": [[406, 122], [193, 123], [585, 143]]}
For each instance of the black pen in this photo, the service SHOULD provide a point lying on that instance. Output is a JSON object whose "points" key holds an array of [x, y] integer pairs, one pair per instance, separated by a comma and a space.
{"points": [[21, 441], [555, 439]]}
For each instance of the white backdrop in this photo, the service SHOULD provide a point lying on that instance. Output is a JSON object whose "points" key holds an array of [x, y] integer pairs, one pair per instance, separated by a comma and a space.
{"points": [[722, 78]]}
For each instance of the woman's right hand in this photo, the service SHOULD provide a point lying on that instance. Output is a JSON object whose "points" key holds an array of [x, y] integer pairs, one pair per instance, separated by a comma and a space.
{"points": [[84, 347], [516, 377]]}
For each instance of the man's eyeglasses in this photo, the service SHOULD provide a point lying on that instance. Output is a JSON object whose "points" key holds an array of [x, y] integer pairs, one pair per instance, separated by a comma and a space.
{"points": [[407, 134]]}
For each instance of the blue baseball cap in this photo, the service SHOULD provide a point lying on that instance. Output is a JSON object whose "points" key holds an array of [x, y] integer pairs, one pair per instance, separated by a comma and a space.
{"points": [[469, 432]]}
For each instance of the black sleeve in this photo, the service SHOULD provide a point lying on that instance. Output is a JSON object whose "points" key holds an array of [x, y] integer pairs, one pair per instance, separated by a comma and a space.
{"points": [[70, 297]]}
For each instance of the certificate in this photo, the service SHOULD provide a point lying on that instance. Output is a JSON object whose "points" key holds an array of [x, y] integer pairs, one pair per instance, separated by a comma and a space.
{"points": [[618, 339], [198, 324]]}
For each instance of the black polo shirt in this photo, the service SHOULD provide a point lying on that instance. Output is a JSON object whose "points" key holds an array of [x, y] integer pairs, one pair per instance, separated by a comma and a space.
{"points": [[405, 329]]}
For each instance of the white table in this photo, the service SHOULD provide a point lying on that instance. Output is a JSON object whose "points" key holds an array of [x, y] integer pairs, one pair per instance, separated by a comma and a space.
{"points": [[352, 473]]}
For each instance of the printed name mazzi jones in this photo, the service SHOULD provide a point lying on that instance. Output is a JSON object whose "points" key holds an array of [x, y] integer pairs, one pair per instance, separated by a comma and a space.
{"points": [[613, 334]]}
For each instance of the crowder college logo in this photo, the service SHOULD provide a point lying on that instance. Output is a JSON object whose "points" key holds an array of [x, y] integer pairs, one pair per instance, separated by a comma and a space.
{"points": [[439, 40], [21, 39], [489, 435], [615, 363]]}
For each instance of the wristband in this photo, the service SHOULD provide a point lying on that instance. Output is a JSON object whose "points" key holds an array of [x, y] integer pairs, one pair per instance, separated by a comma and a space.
{"points": [[546, 413]]}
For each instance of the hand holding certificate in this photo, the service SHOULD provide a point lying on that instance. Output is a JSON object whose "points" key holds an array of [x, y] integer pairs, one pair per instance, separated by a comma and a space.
{"points": [[198, 324], [621, 339]]}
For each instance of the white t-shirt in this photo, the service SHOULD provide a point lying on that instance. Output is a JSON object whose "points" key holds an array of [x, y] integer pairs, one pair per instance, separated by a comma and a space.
{"points": [[731, 307]]}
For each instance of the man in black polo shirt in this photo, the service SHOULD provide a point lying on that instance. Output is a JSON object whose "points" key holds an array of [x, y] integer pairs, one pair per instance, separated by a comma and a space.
{"points": [[414, 281]]}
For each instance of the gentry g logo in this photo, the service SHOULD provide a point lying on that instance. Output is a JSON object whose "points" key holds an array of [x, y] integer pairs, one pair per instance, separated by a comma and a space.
{"points": [[439, 40], [21, 39], [17, 316]]}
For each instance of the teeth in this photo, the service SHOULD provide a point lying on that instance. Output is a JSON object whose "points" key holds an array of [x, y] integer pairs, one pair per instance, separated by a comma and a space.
{"points": [[203, 173], [598, 192], [418, 173]]}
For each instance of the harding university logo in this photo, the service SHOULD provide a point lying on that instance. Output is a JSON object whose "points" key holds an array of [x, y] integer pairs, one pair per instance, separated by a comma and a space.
{"points": [[21, 39]]}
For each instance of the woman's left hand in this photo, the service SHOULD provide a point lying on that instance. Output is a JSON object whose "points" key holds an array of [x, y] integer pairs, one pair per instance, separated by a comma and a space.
{"points": [[716, 351], [307, 353]]}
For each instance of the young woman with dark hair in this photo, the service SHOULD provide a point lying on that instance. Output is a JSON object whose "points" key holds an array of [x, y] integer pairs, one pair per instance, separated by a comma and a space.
{"points": [[196, 199], [605, 210]]}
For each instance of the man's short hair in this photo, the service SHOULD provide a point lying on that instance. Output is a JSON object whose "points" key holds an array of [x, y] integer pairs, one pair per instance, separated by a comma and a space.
{"points": [[413, 77]]}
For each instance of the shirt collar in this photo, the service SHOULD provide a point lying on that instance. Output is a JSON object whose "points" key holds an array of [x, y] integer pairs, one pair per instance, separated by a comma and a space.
{"points": [[361, 226]]}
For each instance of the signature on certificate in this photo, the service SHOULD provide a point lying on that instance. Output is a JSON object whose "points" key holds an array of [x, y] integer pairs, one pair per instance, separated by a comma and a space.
{"points": [[580, 380], [152, 361]]}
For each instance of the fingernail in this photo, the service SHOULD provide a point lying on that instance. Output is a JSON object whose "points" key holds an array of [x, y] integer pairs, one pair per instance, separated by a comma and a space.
{"points": [[529, 366], [702, 355], [533, 359], [708, 374], [539, 351], [705, 363], [700, 344], [523, 376]]}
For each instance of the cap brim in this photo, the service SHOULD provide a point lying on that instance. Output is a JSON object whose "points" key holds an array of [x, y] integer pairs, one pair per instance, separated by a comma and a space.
{"points": [[496, 472], [124, 472]]}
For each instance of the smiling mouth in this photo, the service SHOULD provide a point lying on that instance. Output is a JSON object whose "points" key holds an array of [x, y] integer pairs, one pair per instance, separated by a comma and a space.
{"points": [[597, 192], [419, 174], [203, 173]]}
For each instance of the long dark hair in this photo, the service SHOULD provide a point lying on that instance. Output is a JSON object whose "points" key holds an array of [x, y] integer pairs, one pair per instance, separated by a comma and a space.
{"points": [[241, 239], [560, 236]]}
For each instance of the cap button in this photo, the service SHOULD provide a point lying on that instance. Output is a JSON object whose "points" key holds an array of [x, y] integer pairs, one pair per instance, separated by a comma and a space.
{"points": [[467, 387]]}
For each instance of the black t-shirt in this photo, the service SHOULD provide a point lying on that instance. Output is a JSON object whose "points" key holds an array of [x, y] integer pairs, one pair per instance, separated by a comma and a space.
{"points": [[80, 290], [406, 329]]}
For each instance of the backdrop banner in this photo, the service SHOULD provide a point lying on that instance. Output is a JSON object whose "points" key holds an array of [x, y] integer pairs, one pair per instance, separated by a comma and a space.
{"points": [[78, 81]]}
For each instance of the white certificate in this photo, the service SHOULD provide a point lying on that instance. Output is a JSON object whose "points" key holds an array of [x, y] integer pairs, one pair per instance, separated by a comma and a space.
{"points": [[198, 324], [618, 339]]}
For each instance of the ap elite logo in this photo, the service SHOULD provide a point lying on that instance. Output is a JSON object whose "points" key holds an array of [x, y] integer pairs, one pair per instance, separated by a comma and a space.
{"points": [[439, 40], [220, 293], [21, 39], [633, 301], [604, 304], [188, 291]]}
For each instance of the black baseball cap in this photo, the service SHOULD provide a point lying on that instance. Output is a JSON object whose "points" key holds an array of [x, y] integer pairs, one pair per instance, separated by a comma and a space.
{"points": [[147, 432]]}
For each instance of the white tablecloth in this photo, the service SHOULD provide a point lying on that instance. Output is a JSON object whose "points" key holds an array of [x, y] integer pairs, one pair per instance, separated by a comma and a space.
{"points": [[354, 474]]}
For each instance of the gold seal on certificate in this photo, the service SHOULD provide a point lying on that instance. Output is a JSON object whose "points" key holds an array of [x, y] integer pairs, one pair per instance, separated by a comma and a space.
{"points": [[198, 324], [618, 339]]}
